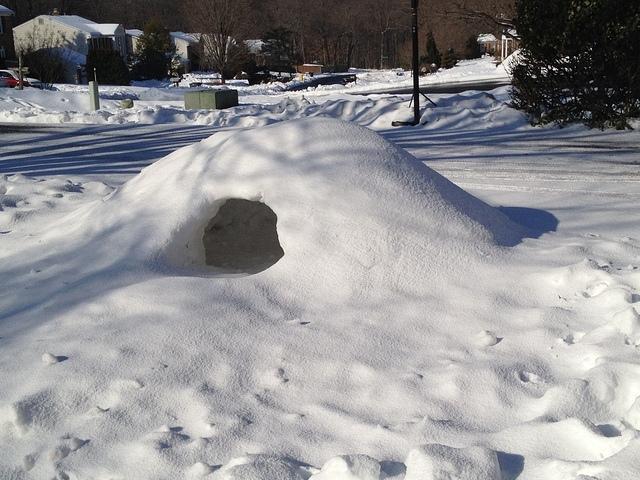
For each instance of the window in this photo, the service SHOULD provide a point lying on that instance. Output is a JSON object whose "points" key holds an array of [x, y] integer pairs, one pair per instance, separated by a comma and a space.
{"points": [[3, 55], [2, 20], [100, 43]]}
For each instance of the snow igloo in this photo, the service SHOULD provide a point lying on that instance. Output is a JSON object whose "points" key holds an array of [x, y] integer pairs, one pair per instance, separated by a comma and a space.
{"points": [[320, 203]]}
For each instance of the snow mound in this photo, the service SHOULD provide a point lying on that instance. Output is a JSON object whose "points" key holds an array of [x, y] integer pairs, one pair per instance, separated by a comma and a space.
{"points": [[258, 467], [345, 199], [439, 462], [335, 330]]}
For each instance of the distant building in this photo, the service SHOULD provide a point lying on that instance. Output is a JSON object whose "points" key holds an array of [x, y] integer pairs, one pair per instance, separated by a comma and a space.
{"points": [[257, 54], [187, 47], [133, 35], [488, 43], [73, 36], [6, 38], [510, 42], [186, 44], [307, 68]]}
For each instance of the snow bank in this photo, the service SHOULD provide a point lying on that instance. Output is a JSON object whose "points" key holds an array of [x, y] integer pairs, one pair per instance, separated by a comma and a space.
{"points": [[465, 110], [154, 103]]}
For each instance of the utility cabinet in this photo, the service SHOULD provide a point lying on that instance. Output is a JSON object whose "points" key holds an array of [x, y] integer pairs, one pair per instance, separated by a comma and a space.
{"points": [[210, 99]]}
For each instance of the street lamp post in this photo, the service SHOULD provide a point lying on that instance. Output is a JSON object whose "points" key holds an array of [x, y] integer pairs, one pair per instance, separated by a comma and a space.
{"points": [[415, 67], [415, 62]]}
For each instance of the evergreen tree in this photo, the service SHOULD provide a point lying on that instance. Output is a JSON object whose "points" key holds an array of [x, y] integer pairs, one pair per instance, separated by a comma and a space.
{"points": [[580, 61], [110, 67], [432, 55], [472, 48], [449, 59], [279, 48], [154, 52]]}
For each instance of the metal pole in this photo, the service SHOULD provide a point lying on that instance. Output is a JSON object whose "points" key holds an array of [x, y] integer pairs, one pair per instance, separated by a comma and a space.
{"points": [[20, 78], [415, 61]]}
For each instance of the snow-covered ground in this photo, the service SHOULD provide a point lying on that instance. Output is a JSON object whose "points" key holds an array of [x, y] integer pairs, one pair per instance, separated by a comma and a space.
{"points": [[157, 102], [410, 331]]}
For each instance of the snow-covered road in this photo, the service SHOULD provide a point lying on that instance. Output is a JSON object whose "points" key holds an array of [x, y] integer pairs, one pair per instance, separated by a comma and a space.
{"points": [[533, 161]]}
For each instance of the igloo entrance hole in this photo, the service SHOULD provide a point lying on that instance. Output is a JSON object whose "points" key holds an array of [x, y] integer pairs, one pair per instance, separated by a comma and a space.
{"points": [[242, 237]]}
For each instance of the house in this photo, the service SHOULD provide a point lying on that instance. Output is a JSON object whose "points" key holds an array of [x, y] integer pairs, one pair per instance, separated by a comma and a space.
{"points": [[186, 44], [488, 43], [6, 37], [133, 35], [309, 68], [72, 36], [510, 42], [258, 51]]}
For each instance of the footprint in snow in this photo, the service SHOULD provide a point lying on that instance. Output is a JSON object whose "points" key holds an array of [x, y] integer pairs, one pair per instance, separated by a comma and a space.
{"points": [[529, 377], [297, 321], [49, 359], [29, 461], [76, 443], [59, 453], [487, 338]]}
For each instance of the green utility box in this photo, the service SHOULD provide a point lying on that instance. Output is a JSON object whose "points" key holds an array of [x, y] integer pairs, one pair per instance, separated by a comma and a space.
{"points": [[210, 99]]}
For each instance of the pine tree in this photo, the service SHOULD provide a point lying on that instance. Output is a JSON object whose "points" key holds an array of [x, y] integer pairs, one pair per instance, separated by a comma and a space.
{"points": [[472, 48], [154, 51], [449, 59], [580, 61], [109, 66], [279, 48], [432, 55]]}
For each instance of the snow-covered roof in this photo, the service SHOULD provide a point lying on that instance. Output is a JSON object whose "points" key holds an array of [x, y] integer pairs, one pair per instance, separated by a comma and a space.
{"points": [[105, 28], [83, 24], [486, 38], [510, 33], [134, 32], [187, 37], [255, 45], [5, 12]]}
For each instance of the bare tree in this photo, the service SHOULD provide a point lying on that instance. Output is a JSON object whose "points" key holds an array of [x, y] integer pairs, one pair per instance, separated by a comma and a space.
{"points": [[387, 17], [46, 54], [221, 25], [495, 12]]}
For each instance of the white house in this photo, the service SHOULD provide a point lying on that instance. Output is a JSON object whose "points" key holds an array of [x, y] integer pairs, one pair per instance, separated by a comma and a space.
{"points": [[185, 43], [6, 39], [510, 42], [488, 43], [133, 35], [73, 35]]}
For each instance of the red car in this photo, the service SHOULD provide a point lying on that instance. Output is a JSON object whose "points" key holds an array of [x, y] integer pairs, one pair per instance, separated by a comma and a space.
{"points": [[9, 78]]}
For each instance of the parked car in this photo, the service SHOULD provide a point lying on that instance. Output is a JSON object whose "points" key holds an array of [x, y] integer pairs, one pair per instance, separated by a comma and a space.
{"points": [[10, 78]]}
